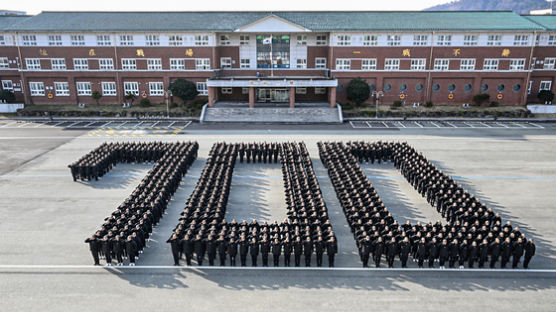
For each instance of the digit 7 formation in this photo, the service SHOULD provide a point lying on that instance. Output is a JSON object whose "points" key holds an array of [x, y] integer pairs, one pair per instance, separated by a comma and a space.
{"points": [[203, 230], [473, 234], [125, 232]]}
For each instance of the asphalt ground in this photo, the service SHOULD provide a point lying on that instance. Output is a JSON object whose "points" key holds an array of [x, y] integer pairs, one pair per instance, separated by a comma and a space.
{"points": [[45, 217]]}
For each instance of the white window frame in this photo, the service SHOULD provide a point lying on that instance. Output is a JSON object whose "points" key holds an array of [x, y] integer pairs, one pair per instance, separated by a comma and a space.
{"points": [[156, 88], [83, 88], [80, 64], [36, 88], [61, 88], [420, 40], [2, 40], [245, 90], [521, 40], [108, 88], [175, 40], [55, 40], [301, 40], [467, 64], [368, 64], [299, 90], [29, 40], [418, 64], [444, 40], [7, 85], [152, 40], [58, 64], [343, 64], [154, 64], [4, 63], [244, 40], [441, 64], [202, 64], [320, 62], [549, 62], [391, 64], [545, 85], [551, 40], [224, 40], [517, 64], [470, 40], [33, 63], [77, 40], [225, 62], [201, 40], [491, 64], [393, 40], [131, 87], [103, 40], [494, 40], [245, 63], [320, 90], [226, 90], [343, 40], [202, 88], [129, 64], [106, 64], [177, 64], [370, 40], [126, 40], [322, 40], [301, 63]]}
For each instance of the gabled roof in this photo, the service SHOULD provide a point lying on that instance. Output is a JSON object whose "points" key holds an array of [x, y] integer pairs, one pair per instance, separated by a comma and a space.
{"points": [[6, 22], [313, 21], [548, 22]]}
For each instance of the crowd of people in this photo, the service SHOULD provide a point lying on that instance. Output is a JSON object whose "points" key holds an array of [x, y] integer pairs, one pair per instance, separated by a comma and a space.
{"points": [[125, 232], [203, 231], [473, 234]]}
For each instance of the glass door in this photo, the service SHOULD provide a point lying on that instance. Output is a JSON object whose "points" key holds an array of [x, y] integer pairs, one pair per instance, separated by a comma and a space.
{"points": [[280, 95], [263, 95]]}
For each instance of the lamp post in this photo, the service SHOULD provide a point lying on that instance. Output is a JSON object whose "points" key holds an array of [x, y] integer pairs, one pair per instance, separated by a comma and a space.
{"points": [[168, 95], [377, 94]]}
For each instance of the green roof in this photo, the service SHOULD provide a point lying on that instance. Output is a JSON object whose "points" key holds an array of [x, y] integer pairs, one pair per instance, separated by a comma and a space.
{"points": [[6, 22], [315, 21], [548, 22]]}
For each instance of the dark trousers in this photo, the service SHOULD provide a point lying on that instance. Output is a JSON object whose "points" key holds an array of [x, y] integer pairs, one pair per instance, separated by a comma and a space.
{"points": [[199, 259], [365, 260], [403, 259], [119, 257], [188, 258], [493, 262], [276, 259], [108, 257], [377, 261], [452, 262], [243, 259], [176, 256], [95, 257], [232, 260], [254, 260], [319, 259], [222, 259], [431, 262], [265, 260], [297, 259], [390, 261], [287, 259], [514, 262], [421, 261], [504, 261], [442, 260], [482, 262], [526, 261], [307, 259], [211, 259], [470, 263], [331, 260]]}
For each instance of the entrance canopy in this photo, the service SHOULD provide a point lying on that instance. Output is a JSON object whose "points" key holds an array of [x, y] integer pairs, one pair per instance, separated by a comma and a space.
{"points": [[272, 82]]}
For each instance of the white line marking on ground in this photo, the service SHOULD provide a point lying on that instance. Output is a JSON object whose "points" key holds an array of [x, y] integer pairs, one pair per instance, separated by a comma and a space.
{"points": [[432, 122], [536, 125], [385, 124], [486, 125]]}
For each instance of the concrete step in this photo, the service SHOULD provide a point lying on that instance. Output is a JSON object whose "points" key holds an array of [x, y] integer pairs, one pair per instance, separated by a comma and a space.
{"points": [[272, 115]]}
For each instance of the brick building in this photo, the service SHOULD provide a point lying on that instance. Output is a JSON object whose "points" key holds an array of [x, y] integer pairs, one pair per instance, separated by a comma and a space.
{"points": [[443, 57]]}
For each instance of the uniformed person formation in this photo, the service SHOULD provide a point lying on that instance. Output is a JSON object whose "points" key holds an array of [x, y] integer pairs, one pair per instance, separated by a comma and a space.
{"points": [[125, 233], [203, 233], [473, 234]]}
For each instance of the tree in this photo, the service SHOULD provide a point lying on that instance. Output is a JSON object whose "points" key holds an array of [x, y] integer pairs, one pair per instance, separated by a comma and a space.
{"points": [[7, 95], [130, 97], [184, 89], [545, 96], [358, 91], [480, 99], [96, 96]]}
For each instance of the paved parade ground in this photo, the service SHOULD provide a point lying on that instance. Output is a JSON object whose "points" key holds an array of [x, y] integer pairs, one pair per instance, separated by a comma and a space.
{"points": [[45, 218]]}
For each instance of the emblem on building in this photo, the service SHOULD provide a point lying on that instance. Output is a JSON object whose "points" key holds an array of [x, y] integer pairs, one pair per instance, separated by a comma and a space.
{"points": [[140, 52], [406, 52], [506, 52], [92, 52], [456, 52], [189, 52], [43, 52]]}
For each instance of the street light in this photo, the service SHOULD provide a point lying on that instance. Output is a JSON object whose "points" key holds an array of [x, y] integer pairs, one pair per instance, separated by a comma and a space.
{"points": [[377, 94], [167, 96]]}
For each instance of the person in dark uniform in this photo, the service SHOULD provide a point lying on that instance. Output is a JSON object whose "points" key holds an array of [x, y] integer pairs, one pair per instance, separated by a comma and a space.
{"points": [[391, 251], [175, 246], [443, 253], [222, 250], [453, 251], [287, 245], [473, 254], [94, 246], [483, 253], [232, 251], [200, 248], [131, 250], [319, 250], [106, 246], [307, 251], [118, 250], [405, 248], [331, 250], [432, 249], [422, 253], [495, 250], [506, 252], [187, 249], [265, 249], [517, 252], [529, 253], [243, 250], [254, 251], [463, 250], [366, 251], [297, 251], [378, 251], [211, 250], [276, 251]]}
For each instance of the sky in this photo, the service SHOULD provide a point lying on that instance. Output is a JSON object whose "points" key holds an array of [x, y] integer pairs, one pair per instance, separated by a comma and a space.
{"points": [[36, 6]]}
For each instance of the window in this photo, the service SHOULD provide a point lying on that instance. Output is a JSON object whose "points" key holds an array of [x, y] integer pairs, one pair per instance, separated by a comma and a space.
{"points": [[441, 64], [29, 40], [244, 90], [7, 85], [80, 64], [175, 40], [126, 40], [494, 40], [243, 40], [129, 64], [344, 40], [36, 88], [418, 64], [549, 62], [226, 90], [391, 64], [370, 40], [552, 40], [490, 64], [394, 40], [343, 64], [320, 62], [444, 40], [156, 88], [202, 64], [58, 63], [521, 40], [301, 63], [517, 64], [154, 64], [368, 64], [302, 40], [467, 64], [300, 90], [4, 63], [33, 63], [201, 40], [530, 87], [77, 40], [108, 88], [420, 40], [54, 40], [225, 40], [2, 40], [322, 40], [106, 63], [245, 63], [103, 40], [202, 88], [470, 40], [62, 89], [545, 85], [177, 64], [152, 40], [225, 62], [131, 87], [320, 90], [83, 88]]}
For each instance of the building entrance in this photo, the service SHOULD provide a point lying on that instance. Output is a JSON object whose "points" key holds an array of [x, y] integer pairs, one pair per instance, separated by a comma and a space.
{"points": [[273, 95]]}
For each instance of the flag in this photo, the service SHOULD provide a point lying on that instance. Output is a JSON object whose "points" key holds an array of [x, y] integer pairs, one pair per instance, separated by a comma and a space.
{"points": [[267, 40]]}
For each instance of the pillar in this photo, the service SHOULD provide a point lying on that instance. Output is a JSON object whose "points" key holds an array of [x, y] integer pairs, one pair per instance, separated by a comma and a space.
{"points": [[292, 97], [332, 96], [210, 96], [251, 97]]}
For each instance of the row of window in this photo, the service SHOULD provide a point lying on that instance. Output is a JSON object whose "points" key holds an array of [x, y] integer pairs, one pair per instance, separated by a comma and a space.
{"points": [[441, 40], [298, 90], [108, 88], [107, 40], [108, 64], [544, 85], [439, 64]]}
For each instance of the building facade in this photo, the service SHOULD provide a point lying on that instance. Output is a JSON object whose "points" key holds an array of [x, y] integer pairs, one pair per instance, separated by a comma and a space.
{"points": [[442, 57]]}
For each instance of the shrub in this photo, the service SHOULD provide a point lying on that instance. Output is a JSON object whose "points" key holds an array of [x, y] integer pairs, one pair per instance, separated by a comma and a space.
{"points": [[545, 96], [145, 102], [173, 105], [480, 99], [358, 91], [428, 104], [494, 104], [367, 113], [184, 89], [130, 97], [96, 95], [396, 104], [7, 95]]}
